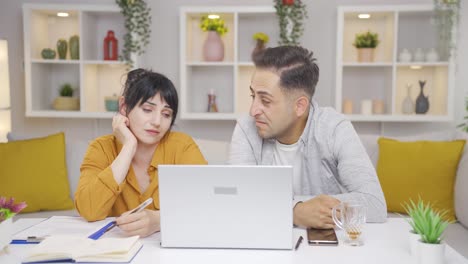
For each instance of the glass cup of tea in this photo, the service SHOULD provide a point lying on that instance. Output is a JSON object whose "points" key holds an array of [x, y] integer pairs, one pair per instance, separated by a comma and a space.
{"points": [[351, 219]]}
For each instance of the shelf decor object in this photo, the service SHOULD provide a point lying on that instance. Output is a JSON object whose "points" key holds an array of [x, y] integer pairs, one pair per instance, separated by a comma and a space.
{"points": [[66, 101], [213, 47], [291, 17], [137, 22], [408, 105], [110, 46], [62, 48], [112, 103], [422, 102], [48, 54], [261, 39], [366, 44], [74, 47]]}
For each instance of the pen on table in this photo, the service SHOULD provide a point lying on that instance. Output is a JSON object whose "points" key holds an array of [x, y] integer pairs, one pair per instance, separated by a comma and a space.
{"points": [[298, 243]]}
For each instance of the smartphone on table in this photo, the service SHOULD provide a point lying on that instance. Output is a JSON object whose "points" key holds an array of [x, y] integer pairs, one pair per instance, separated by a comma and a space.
{"points": [[322, 237]]}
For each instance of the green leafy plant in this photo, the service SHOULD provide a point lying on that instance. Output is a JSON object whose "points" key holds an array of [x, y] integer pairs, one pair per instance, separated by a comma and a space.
{"points": [[291, 21], [8, 208], [425, 221], [137, 23], [66, 90], [260, 36], [464, 125], [208, 23], [446, 17], [366, 40]]}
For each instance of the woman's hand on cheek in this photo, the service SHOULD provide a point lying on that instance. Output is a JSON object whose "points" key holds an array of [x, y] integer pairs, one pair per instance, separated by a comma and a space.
{"points": [[143, 223], [121, 130]]}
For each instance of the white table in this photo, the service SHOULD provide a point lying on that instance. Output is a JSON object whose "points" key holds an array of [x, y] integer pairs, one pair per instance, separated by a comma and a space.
{"points": [[383, 243]]}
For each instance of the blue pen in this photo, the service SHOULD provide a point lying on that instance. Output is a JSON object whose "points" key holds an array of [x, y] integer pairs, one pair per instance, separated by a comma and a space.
{"points": [[112, 224]]}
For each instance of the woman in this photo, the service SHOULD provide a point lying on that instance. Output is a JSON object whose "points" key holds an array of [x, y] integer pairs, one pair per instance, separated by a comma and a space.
{"points": [[119, 171]]}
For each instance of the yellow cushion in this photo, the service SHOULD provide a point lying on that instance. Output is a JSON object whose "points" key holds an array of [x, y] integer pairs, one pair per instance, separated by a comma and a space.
{"points": [[426, 169], [35, 171]]}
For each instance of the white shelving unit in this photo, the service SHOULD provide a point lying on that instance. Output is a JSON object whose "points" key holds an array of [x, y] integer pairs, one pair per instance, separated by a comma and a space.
{"points": [[92, 77], [386, 78], [229, 78]]}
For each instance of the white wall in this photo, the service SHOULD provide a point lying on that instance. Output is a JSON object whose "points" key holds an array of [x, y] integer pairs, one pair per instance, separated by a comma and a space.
{"points": [[163, 56]]}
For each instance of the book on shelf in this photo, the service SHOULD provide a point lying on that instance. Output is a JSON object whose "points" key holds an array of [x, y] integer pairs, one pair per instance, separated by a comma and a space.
{"points": [[80, 249]]}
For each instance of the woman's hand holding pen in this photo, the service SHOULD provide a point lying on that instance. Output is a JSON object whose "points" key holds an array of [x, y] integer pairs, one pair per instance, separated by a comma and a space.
{"points": [[142, 223]]}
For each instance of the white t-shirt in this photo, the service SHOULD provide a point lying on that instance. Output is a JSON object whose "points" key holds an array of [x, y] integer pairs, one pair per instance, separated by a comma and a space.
{"points": [[289, 155]]}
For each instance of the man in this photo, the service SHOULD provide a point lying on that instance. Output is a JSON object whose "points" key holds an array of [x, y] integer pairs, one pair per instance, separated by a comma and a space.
{"points": [[286, 127]]}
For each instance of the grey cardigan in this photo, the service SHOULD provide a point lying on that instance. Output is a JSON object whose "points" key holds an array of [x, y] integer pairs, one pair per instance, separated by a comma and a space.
{"points": [[334, 159]]}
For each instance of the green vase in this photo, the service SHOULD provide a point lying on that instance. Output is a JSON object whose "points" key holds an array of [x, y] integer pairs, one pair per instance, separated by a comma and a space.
{"points": [[48, 54], [62, 49], [74, 47]]}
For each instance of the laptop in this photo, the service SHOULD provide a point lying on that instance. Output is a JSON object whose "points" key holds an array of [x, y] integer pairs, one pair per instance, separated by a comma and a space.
{"points": [[224, 206]]}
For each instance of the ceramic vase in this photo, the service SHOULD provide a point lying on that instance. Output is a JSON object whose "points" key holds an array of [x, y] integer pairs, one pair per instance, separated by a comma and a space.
{"points": [[62, 49], [418, 55], [213, 48], [6, 231], [405, 56], [431, 253], [432, 56], [74, 47], [408, 105], [48, 54], [365, 54], [422, 102]]}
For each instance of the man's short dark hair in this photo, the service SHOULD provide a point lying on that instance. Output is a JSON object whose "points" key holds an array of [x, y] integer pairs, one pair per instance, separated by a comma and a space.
{"points": [[142, 85], [295, 66]]}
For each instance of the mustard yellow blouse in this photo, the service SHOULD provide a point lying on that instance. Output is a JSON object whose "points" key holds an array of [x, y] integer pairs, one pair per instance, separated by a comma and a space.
{"points": [[98, 195]]}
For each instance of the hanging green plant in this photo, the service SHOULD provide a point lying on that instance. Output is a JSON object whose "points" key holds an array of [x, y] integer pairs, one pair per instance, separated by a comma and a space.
{"points": [[291, 16], [446, 16], [464, 124], [137, 23]]}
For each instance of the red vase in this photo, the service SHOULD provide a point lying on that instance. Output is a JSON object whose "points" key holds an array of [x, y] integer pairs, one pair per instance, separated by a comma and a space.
{"points": [[288, 2], [110, 46]]}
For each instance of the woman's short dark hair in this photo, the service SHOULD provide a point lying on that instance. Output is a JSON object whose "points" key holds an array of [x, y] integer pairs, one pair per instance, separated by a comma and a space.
{"points": [[295, 65], [142, 85]]}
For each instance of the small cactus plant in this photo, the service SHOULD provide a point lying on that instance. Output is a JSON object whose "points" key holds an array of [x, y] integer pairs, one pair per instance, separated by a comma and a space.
{"points": [[66, 90]]}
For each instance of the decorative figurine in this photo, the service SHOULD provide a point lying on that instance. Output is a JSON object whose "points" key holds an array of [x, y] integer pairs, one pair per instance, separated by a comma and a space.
{"points": [[110, 46]]}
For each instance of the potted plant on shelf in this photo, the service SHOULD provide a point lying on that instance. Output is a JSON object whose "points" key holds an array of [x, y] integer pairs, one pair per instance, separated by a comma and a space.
{"points": [[137, 23], [213, 47], [366, 44], [8, 209], [261, 39], [66, 101], [291, 15]]}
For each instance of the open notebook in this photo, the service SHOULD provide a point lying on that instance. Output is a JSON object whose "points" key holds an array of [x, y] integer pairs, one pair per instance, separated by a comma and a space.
{"points": [[62, 225], [79, 249]]}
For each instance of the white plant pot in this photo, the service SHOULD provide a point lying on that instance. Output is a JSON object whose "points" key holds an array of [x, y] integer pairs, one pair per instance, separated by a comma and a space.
{"points": [[6, 232], [431, 253], [413, 239]]}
